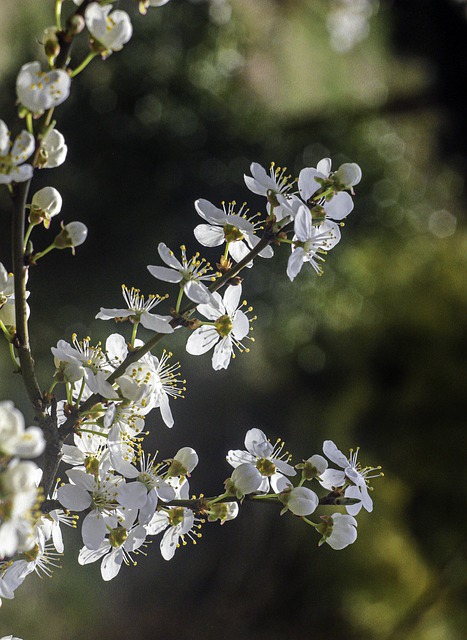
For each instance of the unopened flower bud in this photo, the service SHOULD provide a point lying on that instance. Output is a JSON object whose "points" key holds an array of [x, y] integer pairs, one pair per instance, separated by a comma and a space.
{"points": [[53, 150], [223, 511], [245, 479], [45, 204], [299, 500], [313, 467], [183, 462], [348, 175], [51, 44], [72, 235], [75, 25]]}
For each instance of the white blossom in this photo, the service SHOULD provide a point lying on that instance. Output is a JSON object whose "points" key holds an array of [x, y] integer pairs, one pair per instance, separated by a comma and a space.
{"points": [[265, 457], [338, 530], [226, 226], [188, 273], [15, 440], [139, 311], [72, 235], [53, 150], [227, 328], [245, 479], [13, 155], [352, 473], [310, 242], [114, 550], [93, 361], [19, 497], [111, 29], [348, 175], [46, 203], [176, 522], [38, 90], [144, 4], [105, 494], [301, 501]]}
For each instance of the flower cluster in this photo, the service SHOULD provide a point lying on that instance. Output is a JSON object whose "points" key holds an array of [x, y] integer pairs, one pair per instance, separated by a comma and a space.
{"points": [[320, 201]]}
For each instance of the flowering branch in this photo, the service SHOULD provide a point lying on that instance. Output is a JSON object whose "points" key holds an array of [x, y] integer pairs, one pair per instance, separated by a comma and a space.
{"points": [[122, 494]]}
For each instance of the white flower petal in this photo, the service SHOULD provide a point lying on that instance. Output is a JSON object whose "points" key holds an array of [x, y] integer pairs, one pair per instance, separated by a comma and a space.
{"points": [[165, 274], [222, 354], [73, 497], [201, 340]]}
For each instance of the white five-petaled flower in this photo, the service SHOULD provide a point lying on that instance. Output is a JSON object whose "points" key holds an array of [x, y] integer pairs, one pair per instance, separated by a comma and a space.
{"points": [[138, 311], [265, 457], [310, 242], [15, 440], [115, 550], [110, 498], [228, 326], [188, 273], [352, 473], [340, 205], [150, 382], [12, 156], [87, 361], [111, 29], [225, 226], [267, 185], [176, 522], [38, 90]]}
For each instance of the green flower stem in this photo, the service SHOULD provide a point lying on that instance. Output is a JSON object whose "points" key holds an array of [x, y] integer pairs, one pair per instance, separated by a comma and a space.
{"points": [[83, 384], [222, 498], [226, 252], [179, 300], [58, 14], [29, 124], [39, 255], [48, 118], [268, 497], [134, 332], [83, 65], [26, 237], [312, 524], [14, 358], [5, 331], [52, 386]]}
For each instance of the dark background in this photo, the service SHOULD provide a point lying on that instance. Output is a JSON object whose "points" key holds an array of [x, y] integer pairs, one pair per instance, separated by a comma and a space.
{"points": [[371, 354]]}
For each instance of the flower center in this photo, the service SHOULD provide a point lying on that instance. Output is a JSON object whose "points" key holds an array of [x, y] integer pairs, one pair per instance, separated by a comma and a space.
{"points": [[265, 467], [117, 537], [232, 234], [176, 516], [224, 325]]}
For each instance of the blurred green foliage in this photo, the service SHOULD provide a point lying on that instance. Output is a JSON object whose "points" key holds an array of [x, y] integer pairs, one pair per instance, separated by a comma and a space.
{"points": [[372, 354]]}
